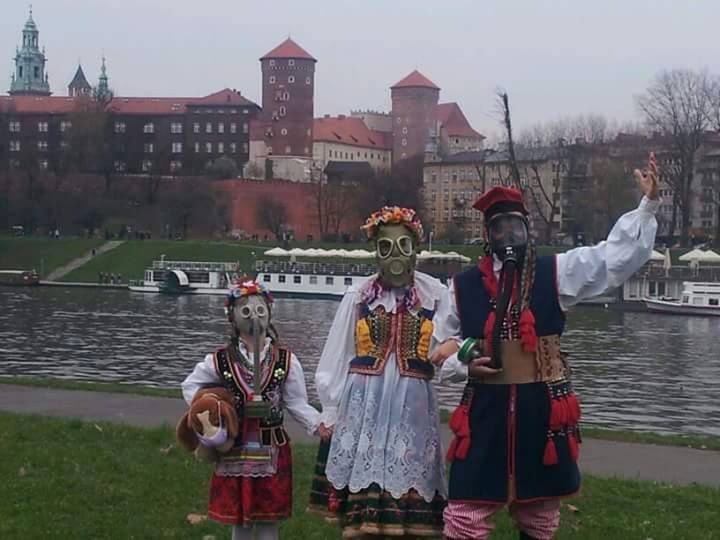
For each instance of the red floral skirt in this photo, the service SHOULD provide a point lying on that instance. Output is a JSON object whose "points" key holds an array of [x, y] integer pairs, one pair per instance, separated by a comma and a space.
{"points": [[241, 500]]}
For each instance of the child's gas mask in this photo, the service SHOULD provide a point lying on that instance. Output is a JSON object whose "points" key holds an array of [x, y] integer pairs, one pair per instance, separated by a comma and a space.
{"points": [[249, 314], [396, 255]]}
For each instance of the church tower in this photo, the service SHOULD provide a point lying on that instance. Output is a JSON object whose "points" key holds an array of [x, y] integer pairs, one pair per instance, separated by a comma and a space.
{"points": [[79, 86], [30, 77], [414, 102], [103, 92]]}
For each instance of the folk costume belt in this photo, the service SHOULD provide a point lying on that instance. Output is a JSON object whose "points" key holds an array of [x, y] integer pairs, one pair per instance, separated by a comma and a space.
{"points": [[520, 367]]}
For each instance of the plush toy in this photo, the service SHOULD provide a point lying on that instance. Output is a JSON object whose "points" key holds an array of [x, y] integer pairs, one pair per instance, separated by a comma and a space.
{"points": [[211, 420]]}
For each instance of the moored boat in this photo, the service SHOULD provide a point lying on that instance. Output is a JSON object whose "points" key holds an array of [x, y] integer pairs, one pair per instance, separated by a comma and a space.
{"points": [[698, 298], [19, 277]]}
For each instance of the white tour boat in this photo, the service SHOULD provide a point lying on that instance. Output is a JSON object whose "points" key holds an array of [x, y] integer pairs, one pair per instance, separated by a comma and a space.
{"points": [[187, 277], [698, 298]]}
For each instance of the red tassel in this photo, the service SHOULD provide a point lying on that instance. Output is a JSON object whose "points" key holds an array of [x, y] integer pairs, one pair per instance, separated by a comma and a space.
{"points": [[550, 457], [460, 426], [574, 412], [555, 415], [528, 337], [333, 501], [489, 324], [574, 447], [452, 450]]}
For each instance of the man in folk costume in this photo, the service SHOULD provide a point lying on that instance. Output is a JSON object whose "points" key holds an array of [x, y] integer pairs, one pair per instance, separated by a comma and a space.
{"points": [[251, 487], [382, 473], [516, 430]]}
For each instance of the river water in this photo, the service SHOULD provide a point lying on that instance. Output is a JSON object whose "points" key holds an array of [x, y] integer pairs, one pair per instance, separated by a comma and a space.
{"points": [[636, 371]]}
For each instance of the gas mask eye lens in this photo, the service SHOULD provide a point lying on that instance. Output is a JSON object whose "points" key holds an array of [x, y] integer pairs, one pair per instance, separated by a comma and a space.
{"points": [[261, 311], [245, 312], [405, 245], [384, 247]]}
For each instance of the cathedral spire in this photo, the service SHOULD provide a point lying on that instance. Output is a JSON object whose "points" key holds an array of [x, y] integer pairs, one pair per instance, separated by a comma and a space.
{"points": [[30, 75], [103, 91]]}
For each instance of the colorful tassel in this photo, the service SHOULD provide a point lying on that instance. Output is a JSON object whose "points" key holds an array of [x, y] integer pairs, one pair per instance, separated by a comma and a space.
{"points": [[574, 412], [460, 426], [550, 456], [528, 337]]}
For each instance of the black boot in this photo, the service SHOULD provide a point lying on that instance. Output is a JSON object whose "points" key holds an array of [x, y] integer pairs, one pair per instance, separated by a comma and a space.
{"points": [[525, 536]]}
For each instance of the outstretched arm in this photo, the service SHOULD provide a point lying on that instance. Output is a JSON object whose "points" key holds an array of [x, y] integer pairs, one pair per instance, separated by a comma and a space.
{"points": [[296, 399], [586, 272]]}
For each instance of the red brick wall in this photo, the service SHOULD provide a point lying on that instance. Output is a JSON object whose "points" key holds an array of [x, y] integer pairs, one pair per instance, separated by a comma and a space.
{"points": [[413, 114], [297, 99]]}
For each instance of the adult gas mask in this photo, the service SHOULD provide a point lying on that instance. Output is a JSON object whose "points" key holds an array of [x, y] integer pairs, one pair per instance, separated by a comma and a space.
{"points": [[246, 311], [508, 235], [396, 255]]}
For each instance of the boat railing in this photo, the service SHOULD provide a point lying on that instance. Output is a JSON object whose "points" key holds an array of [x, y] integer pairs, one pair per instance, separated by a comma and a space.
{"points": [[196, 265], [322, 268], [684, 273]]}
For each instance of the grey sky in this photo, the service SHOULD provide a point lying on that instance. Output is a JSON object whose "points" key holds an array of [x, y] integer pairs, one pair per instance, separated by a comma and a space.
{"points": [[555, 57]]}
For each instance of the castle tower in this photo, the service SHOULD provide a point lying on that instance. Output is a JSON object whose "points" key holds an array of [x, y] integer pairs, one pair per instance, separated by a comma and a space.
{"points": [[30, 77], [103, 92], [79, 86], [288, 83], [414, 101]]}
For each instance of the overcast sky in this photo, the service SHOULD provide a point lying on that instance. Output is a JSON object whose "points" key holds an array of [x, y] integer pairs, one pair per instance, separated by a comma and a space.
{"points": [[556, 58]]}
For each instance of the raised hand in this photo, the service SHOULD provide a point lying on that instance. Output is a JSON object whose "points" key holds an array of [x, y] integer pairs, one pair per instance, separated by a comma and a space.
{"points": [[647, 179]]}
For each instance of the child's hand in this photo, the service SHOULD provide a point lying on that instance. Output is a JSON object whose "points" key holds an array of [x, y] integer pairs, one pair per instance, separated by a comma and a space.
{"points": [[324, 432]]}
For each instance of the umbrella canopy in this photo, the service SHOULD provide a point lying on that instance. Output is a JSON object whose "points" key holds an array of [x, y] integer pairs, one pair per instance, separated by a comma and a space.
{"points": [[277, 252], [657, 256], [698, 255]]}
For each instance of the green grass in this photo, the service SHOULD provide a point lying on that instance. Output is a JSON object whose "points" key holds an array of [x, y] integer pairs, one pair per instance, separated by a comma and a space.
{"points": [[115, 388], [133, 257], [71, 479], [690, 441], [42, 254]]}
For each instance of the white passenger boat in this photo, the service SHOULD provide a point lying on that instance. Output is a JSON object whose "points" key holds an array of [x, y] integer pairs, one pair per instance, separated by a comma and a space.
{"points": [[698, 298], [187, 277]]}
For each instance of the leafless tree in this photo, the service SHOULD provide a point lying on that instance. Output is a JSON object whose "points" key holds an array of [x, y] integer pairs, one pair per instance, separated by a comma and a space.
{"points": [[504, 102], [678, 104], [271, 214]]}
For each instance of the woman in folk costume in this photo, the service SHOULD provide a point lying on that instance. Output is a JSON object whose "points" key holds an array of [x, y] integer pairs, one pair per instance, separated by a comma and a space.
{"points": [[251, 487], [516, 429], [382, 473]]}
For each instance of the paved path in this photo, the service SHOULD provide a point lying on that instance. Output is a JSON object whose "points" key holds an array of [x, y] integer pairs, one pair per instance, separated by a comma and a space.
{"points": [[676, 465], [58, 273]]}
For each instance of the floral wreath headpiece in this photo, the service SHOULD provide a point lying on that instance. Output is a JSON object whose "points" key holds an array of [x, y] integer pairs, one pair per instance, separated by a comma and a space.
{"points": [[392, 215], [247, 287]]}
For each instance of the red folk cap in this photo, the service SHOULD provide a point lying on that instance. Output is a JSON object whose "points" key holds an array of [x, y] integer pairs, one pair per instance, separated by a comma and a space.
{"points": [[510, 197]]}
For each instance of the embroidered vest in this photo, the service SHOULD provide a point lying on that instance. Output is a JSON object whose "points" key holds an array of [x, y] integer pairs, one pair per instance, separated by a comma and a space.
{"points": [[237, 379], [405, 333]]}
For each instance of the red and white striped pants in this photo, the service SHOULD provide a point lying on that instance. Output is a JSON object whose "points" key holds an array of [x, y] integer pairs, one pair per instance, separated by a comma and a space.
{"points": [[473, 521]]}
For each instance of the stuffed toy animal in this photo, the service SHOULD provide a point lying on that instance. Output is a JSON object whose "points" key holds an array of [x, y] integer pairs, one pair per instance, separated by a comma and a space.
{"points": [[211, 425]]}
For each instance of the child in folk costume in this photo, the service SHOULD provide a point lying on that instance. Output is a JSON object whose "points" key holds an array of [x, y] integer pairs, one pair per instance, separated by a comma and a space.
{"points": [[251, 487], [516, 429], [382, 473]]}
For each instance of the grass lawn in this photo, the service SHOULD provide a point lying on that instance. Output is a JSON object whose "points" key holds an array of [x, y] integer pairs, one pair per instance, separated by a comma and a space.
{"points": [[42, 254], [70, 479], [133, 257]]}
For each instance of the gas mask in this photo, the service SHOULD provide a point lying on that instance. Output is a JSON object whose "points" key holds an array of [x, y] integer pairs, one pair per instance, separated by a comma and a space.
{"points": [[396, 256], [248, 308], [508, 235]]}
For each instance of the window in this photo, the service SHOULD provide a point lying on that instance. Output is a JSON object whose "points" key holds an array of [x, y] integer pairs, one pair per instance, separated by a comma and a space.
{"points": [[42, 127], [221, 148], [283, 111], [197, 147], [281, 278], [404, 142], [245, 128], [313, 280], [176, 127], [288, 150], [37, 69], [272, 79], [149, 147], [149, 128], [147, 165], [272, 63], [196, 127], [42, 146], [175, 165], [120, 166], [43, 164], [14, 146], [697, 301], [297, 279], [65, 125], [433, 177], [245, 111], [245, 148], [404, 130], [329, 280], [291, 62], [208, 127], [14, 127], [348, 281], [266, 278], [233, 148], [283, 131], [291, 79], [308, 80], [713, 301], [233, 127], [221, 127], [208, 148], [269, 150], [177, 148], [652, 288]]}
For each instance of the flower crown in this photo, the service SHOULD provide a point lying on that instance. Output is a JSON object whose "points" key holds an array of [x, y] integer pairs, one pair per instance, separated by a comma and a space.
{"points": [[391, 215], [247, 287]]}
